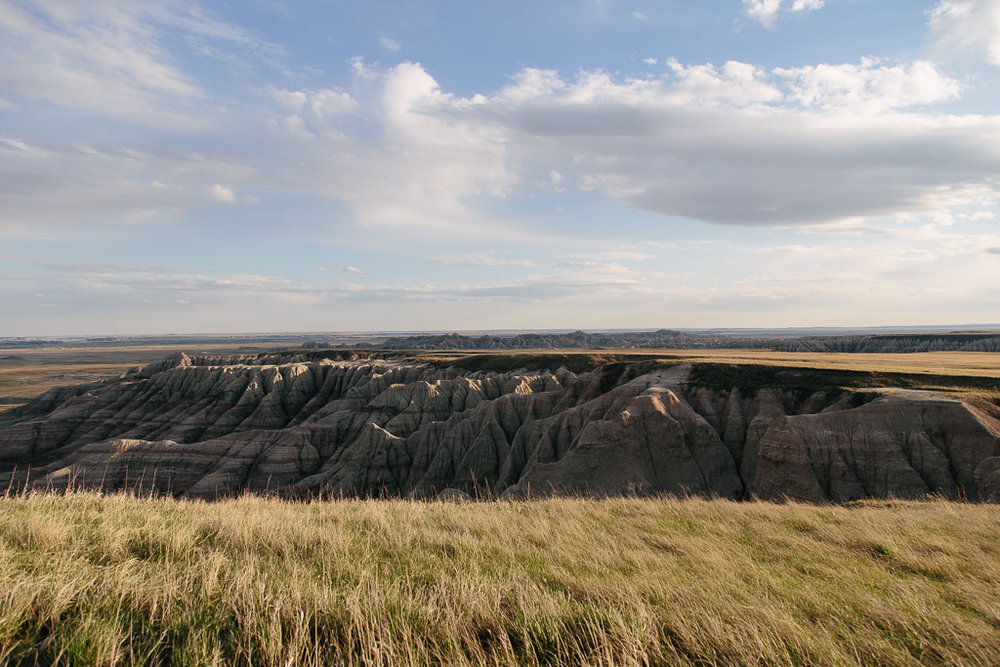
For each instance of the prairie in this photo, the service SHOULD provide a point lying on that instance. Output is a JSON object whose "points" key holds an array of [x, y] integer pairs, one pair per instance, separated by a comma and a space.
{"points": [[114, 580], [977, 364]]}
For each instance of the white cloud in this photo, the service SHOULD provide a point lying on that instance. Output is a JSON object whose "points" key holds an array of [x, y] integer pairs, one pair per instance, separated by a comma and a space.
{"points": [[422, 165], [221, 193], [74, 186], [310, 113], [731, 143], [734, 83], [738, 144], [650, 61], [639, 16], [389, 44], [763, 11], [109, 58], [766, 12], [970, 23], [351, 269], [868, 86]]}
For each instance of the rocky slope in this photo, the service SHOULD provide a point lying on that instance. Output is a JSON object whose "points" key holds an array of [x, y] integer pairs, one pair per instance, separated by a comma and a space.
{"points": [[209, 427]]}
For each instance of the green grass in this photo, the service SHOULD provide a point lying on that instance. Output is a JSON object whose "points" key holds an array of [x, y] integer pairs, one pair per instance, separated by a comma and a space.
{"points": [[112, 580]]}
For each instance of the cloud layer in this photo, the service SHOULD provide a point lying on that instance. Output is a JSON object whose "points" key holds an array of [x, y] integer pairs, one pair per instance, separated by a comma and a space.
{"points": [[730, 144]]}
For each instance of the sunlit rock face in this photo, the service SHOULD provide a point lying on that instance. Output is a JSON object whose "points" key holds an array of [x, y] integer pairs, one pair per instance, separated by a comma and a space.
{"points": [[214, 427]]}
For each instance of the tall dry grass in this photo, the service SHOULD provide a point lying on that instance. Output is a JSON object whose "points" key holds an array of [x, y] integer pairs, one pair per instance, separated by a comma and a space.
{"points": [[115, 580]]}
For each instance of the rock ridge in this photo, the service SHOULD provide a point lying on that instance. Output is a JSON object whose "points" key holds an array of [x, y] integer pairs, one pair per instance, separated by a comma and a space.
{"points": [[209, 427]]}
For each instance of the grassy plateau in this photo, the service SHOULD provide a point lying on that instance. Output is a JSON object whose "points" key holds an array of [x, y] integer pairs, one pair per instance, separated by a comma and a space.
{"points": [[118, 580]]}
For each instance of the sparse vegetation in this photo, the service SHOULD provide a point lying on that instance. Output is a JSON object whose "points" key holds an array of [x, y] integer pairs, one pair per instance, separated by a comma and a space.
{"points": [[576, 362], [752, 377], [86, 579]]}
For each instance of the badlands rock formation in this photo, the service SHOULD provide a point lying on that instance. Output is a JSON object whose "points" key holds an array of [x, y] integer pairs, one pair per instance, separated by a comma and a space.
{"points": [[211, 427]]}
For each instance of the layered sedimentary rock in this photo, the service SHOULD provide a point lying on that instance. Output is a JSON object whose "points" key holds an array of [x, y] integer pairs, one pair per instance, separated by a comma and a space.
{"points": [[203, 427]]}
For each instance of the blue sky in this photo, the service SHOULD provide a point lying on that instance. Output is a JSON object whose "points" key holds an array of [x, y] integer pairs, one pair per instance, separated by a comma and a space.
{"points": [[317, 166]]}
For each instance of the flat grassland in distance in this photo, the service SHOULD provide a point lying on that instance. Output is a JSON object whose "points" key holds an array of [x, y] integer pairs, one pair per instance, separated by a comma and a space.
{"points": [[89, 579], [976, 364], [26, 373]]}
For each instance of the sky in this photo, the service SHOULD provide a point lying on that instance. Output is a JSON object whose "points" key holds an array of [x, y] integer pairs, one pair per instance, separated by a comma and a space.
{"points": [[193, 166]]}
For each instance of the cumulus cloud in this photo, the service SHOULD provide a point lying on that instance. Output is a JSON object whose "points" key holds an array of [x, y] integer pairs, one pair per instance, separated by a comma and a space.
{"points": [[730, 144], [352, 270], [322, 104], [411, 162], [766, 12], [868, 86], [969, 23]]}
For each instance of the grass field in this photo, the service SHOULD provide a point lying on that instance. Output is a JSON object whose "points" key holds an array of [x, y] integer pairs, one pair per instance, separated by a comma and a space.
{"points": [[975, 364], [112, 580]]}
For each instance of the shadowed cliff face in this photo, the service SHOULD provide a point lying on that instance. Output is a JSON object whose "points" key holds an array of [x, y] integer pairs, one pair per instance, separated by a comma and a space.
{"points": [[214, 427]]}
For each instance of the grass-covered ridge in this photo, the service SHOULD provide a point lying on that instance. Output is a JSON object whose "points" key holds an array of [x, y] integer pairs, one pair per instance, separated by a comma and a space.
{"points": [[117, 580]]}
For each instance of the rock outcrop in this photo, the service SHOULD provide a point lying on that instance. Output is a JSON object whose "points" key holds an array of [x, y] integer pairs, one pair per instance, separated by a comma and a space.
{"points": [[211, 427]]}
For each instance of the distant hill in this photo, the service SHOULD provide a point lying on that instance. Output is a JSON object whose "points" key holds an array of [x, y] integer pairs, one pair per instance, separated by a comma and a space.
{"points": [[666, 338]]}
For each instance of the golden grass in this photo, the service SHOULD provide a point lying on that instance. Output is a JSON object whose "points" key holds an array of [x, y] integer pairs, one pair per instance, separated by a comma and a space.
{"points": [[974, 364], [117, 580]]}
